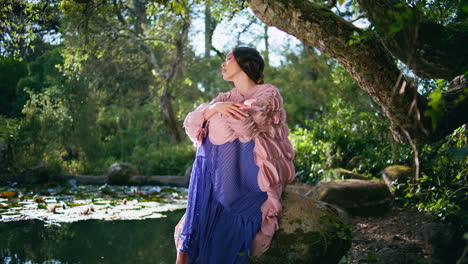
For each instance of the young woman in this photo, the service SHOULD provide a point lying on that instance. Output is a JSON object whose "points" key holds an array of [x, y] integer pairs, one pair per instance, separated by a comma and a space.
{"points": [[244, 161]]}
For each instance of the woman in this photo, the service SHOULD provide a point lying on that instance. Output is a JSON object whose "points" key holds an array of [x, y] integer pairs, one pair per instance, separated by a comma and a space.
{"points": [[243, 162]]}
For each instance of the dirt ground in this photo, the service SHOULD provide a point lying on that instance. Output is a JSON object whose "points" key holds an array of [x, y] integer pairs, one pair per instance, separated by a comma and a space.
{"points": [[388, 239]]}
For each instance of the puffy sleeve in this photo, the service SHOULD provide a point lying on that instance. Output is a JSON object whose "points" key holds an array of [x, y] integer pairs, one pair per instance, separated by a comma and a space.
{"points": [[195, 123], [264, 110]]}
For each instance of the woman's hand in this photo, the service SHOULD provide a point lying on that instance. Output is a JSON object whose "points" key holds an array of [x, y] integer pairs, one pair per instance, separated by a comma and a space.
{"points": [[182, 257], [231, 109]]}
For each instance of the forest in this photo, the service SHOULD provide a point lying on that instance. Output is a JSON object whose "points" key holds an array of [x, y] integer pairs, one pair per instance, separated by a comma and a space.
{"points": [[366, 85]]}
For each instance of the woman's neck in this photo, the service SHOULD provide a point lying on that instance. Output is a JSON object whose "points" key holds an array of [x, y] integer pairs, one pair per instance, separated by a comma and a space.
{"points": [[245, 85]]}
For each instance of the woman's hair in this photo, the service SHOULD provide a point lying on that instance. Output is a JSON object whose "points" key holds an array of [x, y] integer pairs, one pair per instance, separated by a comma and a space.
{"points": [[251, 62]]}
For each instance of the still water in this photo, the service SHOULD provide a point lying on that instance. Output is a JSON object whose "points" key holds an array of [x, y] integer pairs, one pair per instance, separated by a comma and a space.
{"points": [[89, 223], [90, 241]]}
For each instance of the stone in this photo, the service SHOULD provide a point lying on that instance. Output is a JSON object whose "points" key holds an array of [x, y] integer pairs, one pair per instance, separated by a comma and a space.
{"points": [[444, 243], [347, 174], [301, 189], [396, 174], [354, 162], [158, 180], [310, 231], [89, 179], [358, 197], [40, 173], [119, 173]]}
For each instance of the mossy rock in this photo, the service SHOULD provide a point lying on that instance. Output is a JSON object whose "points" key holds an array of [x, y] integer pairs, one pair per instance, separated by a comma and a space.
{"points": [[41, 173], [119, 173], [310, 231], [358, 197], [396, 174]]}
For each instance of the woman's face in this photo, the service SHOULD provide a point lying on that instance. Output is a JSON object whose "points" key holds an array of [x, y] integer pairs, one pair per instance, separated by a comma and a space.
{"points": [[230, 68]]}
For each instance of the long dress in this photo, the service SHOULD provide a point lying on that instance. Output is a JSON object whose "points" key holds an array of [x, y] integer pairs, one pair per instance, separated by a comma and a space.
{"points": [[224, 204], [240, 170]]}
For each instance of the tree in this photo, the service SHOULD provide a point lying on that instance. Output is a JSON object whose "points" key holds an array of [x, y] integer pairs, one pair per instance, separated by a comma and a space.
{"points": [[370, 56], [144, 40], [23, 22]]}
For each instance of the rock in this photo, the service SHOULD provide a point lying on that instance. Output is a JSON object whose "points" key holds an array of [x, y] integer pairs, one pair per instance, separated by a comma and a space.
{"points": [[347, 174], [35, 175], [353, 162], [443, 243], [310, 231], [301, 189], [4, 155], [399, 173], [119, 173], [358, 197], [158, 180], [89, 179]]}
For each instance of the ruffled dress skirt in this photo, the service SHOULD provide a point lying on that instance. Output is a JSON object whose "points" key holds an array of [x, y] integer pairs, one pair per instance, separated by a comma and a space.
{"points": [[224, 204]]}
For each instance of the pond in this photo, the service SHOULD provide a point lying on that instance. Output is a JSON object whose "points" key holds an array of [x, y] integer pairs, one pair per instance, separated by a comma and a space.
{"points": [[89, 223]]}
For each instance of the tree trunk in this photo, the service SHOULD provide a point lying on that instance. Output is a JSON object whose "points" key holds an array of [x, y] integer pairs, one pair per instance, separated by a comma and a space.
{"points": [[168, 116], [431, 50], [208, 37], [167, 111], [267, 46], [368, 61]]}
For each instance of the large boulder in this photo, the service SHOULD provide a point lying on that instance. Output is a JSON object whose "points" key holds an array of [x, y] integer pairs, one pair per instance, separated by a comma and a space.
{"points": [[396, 175], [443, 242], [300, 188], [310, 231], [358, 197], [347, 174], [41, 173], [119, 173]]}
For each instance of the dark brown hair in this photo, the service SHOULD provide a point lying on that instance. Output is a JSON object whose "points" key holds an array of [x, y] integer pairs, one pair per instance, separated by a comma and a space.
{"points": [[251, 62]]}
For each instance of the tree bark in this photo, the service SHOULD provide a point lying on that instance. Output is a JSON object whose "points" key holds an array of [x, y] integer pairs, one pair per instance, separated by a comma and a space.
{"points": [[267, 46], [368, 61], [208, 38], [167, 112], [431, 50]]}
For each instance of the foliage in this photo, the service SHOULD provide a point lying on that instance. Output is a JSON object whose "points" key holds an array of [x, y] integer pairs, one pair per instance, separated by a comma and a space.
{"points": [[11, 71], [341, 134], [305, 83], [444, 182], [23, 23]]}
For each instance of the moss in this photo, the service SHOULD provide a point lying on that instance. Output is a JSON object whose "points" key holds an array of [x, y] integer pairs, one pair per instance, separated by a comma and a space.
{"points": [[301, 247], [398, 171], [309, 247]]}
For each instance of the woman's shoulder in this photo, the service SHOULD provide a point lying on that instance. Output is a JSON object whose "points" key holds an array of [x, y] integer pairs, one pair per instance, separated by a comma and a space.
{"points": [[223, 96], [267, 89]]}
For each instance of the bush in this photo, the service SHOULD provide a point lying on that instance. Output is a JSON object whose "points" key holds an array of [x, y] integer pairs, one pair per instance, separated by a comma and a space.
{"points": [[340, 134], [443, 185], [343, 132]]}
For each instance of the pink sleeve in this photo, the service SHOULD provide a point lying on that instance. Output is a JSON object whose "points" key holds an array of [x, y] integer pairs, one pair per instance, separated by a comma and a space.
{"points": [[263, 112], [194, 122]]}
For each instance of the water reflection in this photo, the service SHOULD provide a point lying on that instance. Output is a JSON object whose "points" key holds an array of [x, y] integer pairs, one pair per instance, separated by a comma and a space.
{"points": [[90, 241]]}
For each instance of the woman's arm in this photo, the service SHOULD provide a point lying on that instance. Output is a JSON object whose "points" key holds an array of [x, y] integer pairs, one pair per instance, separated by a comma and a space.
{"points": [[264, 111], [195, 121]]}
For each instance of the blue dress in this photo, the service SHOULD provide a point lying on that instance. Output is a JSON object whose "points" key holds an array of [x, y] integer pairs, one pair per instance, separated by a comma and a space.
{"points": [[224, 204]]}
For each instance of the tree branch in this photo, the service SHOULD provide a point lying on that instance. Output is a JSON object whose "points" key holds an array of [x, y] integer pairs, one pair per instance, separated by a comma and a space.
{"points": [[367, 60], [436, 51]]}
